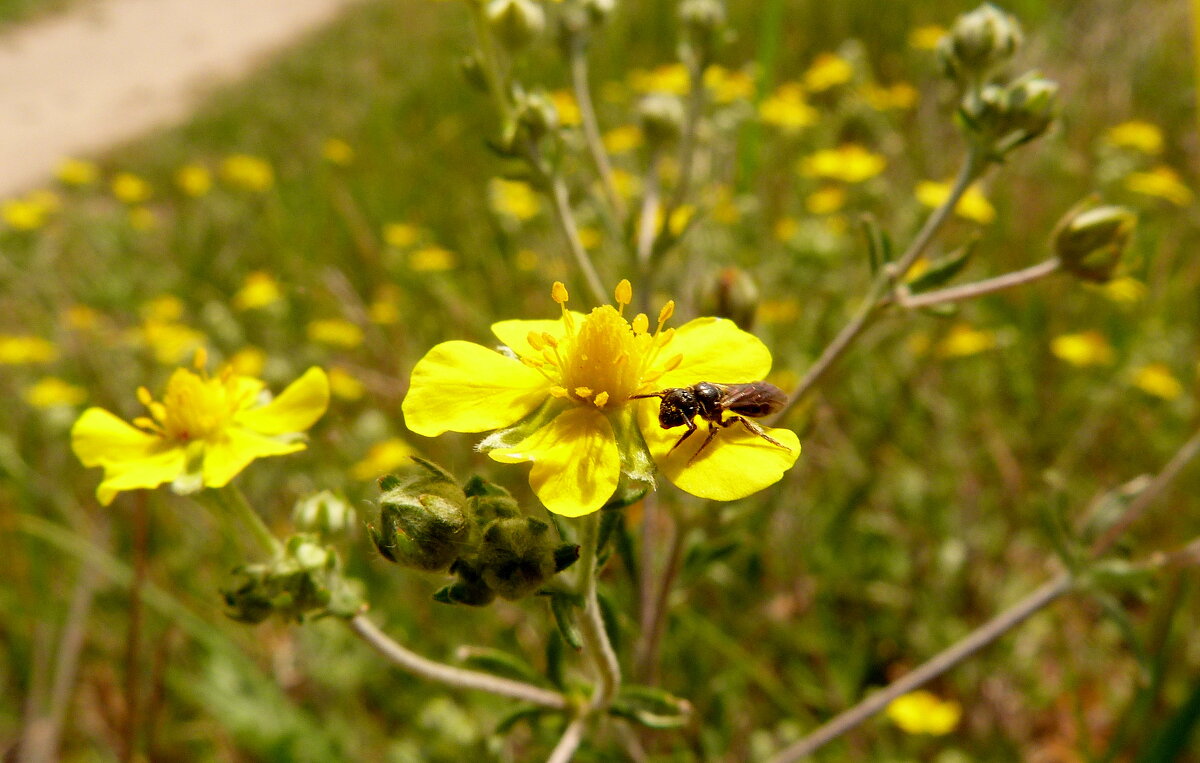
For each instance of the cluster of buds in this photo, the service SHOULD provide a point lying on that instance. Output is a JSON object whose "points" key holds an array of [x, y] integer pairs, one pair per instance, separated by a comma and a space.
{"points": [[516, 23], [1091, 239], [474, 531], [979, 43], [304, 580], [1007, 116], [703, 24]]}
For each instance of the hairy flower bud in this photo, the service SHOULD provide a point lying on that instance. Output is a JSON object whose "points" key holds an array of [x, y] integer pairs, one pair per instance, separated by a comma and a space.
{"points": [[978, 42], [535, 114], [661, 117], [323, 513], [516, 23], [304, 580], [729, 293], [1090, 241], [1006, 116], [422, 522], [516, 556]]}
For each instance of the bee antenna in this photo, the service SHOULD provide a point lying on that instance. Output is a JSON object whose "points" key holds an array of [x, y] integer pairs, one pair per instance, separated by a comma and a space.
{"points": [[659, 395]]}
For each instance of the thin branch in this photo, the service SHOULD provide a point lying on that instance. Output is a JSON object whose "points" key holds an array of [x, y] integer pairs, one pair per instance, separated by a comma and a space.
{"points": [[569, 742], [687, 142], [979, 288], [944, 661], [654, 617], [591, 129], [556, 188], [447, 674], [595, 638]]}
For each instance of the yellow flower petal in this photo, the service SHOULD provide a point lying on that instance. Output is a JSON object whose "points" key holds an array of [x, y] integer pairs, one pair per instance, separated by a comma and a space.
{"points": [[576, 463], [714, 350], [223, 460], [100, 437], [148, 472], [514, 333], [294, 410], [737, 463], [465, 387]]}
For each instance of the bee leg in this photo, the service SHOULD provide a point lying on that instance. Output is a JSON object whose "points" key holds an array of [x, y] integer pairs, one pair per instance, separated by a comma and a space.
{"points": [[691, 425], [712, 432], [754, 428]]}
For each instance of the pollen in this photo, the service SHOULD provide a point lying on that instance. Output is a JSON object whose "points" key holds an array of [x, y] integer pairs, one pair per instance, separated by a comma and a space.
{"points": [[195, 407]]}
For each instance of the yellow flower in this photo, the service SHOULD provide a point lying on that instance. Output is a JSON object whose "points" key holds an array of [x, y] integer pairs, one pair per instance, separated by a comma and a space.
{"points": [[383, 457], [1136, 134], [826, 201], [1156, 379], [1124, 291], [431, 259], [527, 260], [899, 96], [622, 140], [973, 205], [130, 188], [923, 712], [260, 289], [567, 108], [338, 152], [81, 318], [385, 308], [76, 172], [728, 86], [250, 173], [344, 385], [202, 433], [787, 109], [626, 183], [669, 78], [23, 214], [23, 350], [926, 37], [337, 332], [169, 341], [964, 340], [400, 235], [827, 70], [51, 392], [849, 163], [164, 307], [248, 361], [778, 310], [1161, 182], [1089, 348], [562, 400], [142, 218], [785, 229], [513, 198], [193, 179], [590, 237]]}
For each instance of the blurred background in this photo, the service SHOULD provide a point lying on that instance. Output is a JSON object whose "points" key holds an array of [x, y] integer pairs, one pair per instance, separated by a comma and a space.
{"points": [[339, 206]]}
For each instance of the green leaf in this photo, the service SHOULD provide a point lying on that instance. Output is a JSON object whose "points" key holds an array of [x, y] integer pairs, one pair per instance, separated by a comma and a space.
{"points": [[564, 616], [940, 271], [507, 723], [554, 660], [651, 707], [500, 663], [1173, 740]]}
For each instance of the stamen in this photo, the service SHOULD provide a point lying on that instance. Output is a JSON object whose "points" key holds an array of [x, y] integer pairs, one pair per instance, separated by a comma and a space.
{"points": [[557, 391], [200, 360], [641, 324], [623, 294], [584, 392], [535, 340], [149, 424], [667, 311], [549, 340], [558, 293], [673, 363], [144, 397], [600, 399]]}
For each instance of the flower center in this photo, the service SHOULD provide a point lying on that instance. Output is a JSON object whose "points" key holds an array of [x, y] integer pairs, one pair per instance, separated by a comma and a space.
{"points": [[194, 407], [605, 359]]}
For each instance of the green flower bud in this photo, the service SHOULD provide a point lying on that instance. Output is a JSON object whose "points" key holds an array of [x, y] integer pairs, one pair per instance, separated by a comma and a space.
{"points": [[516, 556], [1006, 116], [1090, 242], [424, 478], [473, 72], [599, 10], [729, 293], [422, 518], [323, 513], [978, 42], [516, 23], [304, 580], [487, 501], [703, 23], [536, 114], [469, 589], [661, 117]]}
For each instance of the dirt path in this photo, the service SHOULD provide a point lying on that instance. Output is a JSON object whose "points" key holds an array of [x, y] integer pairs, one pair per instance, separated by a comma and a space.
{"points": [[107, 70]]}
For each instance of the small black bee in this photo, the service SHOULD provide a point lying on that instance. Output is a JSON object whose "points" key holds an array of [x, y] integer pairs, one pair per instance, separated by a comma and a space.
{"points": [[710, 401]]}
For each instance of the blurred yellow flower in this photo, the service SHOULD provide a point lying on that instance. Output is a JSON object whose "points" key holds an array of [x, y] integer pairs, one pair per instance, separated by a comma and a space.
{"points": [[849, 163], [787, 108], [899, 96], [52, 392], [626, 183], [336, 332], [400, 235], [567, 108], [1137, 135], [778, 310], [1124, 290], [825, 201], [383, 457], [169, 342], [513, 198], [432, 259], [164, 307], [724, 206], [344, 385], [926, 37], [24, 214], [248, 361], [1156, 379], [142, 218], [973, 205], [728, 85], [923, 712], [785, 229], [1088, 348], [130, 188], [827, 70], [385, 307], [76, 172], [203, 432], [1161, 182], [249, 173], [260, 289], [81, 318], [669, 78], [590, 237], [527, 260], [963, 340], [22, 350], [680, 217], [622, 140], [338, 152], [193, 180]]}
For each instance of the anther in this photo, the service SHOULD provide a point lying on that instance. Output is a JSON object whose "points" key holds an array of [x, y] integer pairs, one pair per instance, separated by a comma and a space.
{"points": [[624, 294], [558, 292], [641, 324], [600, 399]]}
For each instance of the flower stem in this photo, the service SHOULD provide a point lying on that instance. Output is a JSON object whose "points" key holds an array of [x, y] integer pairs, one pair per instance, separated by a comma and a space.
{"points": [[561, 200], [447, 674], [591, 128], [595, 638], [979, 288], [876, 297], [569, 742], [235, 504]]}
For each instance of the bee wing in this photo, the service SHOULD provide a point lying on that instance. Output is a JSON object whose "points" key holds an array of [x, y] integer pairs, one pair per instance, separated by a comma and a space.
{"points": [[754, 399]]}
